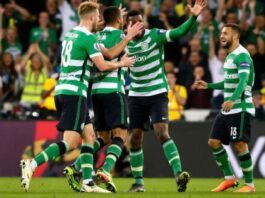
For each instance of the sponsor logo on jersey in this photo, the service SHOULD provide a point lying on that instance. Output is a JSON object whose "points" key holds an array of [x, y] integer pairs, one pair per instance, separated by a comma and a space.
{"points": [[140, 58], [231, 76]]}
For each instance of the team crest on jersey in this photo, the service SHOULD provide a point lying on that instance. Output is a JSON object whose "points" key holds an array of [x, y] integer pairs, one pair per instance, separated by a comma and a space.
{"points": [[96, 46], [144, 45]]}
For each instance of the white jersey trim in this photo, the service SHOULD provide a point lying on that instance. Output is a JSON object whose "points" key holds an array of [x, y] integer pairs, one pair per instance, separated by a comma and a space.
{"points": [[149, 93]]}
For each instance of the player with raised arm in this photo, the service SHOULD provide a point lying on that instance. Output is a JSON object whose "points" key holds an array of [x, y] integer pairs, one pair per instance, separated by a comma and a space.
{"points": [[148, 95], [232, 124], [80, 52], [109, 105]]}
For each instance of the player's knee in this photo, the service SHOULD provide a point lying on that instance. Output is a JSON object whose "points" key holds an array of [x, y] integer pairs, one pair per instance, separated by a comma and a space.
{"points": [[105, 136], [214, 143], [136, 139], [72, 144], [121, 133], [163, 136], [240, 147], [161, 133]]}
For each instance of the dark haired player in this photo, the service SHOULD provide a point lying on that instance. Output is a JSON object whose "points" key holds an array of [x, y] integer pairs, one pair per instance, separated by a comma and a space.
{"points": [[148, 94], [232, 124]]}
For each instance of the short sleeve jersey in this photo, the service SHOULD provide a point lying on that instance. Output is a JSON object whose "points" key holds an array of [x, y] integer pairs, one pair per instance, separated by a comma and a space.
{"points": [[237, 62], [79, 46], [148, 74], [113, 81]]}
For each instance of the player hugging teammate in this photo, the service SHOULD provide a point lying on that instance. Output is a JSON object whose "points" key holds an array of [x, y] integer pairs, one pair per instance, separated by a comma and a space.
{"points": [[83, 51]]}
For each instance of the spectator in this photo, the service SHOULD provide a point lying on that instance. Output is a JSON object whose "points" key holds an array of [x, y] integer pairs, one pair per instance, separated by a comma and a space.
{"points": [[169, 66], [166, 18], [216, 68], [12, 45], [260, 101], [135, 5], [14, 15], [9, 84], [44, 36], [187, 68], [47, 105], [258, 60], [199, 99], [55, 16], [201, 29], [35, 66], [1, 87], [256, 34], [177, 96], [69, 14], [9, 77]]}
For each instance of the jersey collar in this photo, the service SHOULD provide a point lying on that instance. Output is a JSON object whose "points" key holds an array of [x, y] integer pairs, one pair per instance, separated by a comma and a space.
{"points": [[110, 28]]}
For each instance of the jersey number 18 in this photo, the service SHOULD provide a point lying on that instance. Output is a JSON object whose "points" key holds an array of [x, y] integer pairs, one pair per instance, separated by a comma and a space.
{"points": [[66, 52]]}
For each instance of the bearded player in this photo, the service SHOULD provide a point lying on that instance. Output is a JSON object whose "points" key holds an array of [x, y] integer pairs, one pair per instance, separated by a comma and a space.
{"points": [[232, 124]]}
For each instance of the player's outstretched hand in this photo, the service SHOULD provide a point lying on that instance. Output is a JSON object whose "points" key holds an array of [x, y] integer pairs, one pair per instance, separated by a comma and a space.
{"points": [[127, 61], [198, 7], [200, 84], [134, 30]]}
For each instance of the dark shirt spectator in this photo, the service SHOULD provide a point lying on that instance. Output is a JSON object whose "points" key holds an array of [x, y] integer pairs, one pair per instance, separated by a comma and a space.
{"points": [[199, 99], [9, 78]]}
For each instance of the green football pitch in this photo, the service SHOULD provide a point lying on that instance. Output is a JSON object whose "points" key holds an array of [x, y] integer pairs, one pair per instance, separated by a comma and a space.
{"points": [[155, 187]]}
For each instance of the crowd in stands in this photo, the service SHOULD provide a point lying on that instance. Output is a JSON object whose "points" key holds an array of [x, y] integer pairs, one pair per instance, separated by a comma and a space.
{"points": [[30, 51]]}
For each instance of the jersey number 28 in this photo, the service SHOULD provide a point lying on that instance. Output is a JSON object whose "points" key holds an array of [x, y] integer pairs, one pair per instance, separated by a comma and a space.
{"points": [[66, 52]]}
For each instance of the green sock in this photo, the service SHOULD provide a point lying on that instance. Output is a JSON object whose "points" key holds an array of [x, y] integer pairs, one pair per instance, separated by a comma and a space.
{"points": [[52, 151], [172, 155], [113, 153], [223, 162], [86, 159], [137, 162], [99, 143], [246, 166]]}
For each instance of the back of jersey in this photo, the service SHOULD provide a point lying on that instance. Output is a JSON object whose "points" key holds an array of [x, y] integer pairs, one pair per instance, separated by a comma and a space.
{"points": [[113, 81], [78, 47]]}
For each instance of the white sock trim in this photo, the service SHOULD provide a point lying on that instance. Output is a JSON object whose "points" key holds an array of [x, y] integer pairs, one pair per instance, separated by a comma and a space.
{"points": [[33, 164], [229, 177]]}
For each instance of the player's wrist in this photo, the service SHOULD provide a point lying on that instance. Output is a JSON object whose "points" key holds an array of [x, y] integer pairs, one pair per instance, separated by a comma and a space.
{"points": [[128, 38]]}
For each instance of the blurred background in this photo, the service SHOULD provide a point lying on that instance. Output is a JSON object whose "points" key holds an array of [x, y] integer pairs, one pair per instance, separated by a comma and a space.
{"points": [[31, 32]]}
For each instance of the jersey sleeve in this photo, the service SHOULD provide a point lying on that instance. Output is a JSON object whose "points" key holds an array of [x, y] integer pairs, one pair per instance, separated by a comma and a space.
{"points": [[162, 36], [243, 63], [93, 47]]}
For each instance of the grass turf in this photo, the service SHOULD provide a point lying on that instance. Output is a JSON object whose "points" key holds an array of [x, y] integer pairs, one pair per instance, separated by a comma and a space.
{"points": [[155, 187]]}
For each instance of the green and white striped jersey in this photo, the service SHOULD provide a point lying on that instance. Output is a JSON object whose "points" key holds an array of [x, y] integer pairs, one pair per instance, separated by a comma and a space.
{"points": [[236, 63], [79, 46], [148, 74], [110, 81]]}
